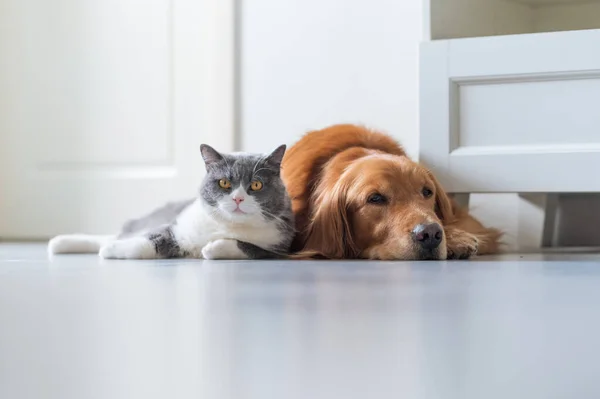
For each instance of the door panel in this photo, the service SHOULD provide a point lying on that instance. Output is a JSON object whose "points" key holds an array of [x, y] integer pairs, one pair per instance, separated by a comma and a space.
{"points": [[106, 78], [107, 104]]}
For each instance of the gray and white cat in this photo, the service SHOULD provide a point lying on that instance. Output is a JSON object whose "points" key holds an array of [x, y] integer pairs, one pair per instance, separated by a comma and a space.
{"points": [[242, 211]]}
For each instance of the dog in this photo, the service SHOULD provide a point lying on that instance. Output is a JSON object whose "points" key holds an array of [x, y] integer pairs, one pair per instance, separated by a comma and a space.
{"points": [[356, 195]]}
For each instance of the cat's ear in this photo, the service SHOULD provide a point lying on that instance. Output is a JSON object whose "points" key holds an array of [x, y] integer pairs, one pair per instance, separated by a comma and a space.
{"points": [[210, 155], [276, 156]]}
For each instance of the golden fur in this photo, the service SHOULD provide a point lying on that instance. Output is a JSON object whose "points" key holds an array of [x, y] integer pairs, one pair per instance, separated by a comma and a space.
{"points": [[330, 175]]}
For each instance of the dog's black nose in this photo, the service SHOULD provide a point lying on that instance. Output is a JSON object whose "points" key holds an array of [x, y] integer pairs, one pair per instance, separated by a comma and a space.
{"points": [[428, 236]]}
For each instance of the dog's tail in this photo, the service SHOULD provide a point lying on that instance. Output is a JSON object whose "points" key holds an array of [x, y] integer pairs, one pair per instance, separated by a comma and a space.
{"points": [[77, 244]]}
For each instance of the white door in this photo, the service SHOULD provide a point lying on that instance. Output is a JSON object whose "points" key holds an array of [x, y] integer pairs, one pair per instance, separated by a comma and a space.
{"points": [[513, 113], [103, 106]]}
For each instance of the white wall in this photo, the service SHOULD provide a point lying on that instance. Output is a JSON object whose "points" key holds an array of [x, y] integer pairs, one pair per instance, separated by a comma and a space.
{"points": [[310, 63]]}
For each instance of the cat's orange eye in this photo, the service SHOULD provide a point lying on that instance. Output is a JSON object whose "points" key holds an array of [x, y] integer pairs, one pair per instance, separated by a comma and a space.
{"points": [[224, 183], [256, 185]]}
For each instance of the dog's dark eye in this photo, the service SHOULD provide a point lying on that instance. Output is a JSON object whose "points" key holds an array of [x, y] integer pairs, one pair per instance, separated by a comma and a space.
{"points": [[377, 199], [427, 193]]}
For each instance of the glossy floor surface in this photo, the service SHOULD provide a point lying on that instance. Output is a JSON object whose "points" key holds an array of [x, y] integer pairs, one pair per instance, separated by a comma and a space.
{"points": [[509, 327]]}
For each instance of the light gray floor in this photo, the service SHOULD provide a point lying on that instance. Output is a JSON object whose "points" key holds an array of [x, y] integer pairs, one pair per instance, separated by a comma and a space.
{"points": [[509, 327]]}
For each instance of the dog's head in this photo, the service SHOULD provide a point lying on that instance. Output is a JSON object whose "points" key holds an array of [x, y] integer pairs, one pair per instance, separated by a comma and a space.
{"points": [[378, 206]]}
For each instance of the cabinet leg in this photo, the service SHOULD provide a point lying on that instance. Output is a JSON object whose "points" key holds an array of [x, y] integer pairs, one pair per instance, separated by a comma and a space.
{"points": [[537, 220], [549, 235]]}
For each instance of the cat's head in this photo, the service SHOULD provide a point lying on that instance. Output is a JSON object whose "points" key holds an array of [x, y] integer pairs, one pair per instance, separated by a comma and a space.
{"points": [[242, 187]]}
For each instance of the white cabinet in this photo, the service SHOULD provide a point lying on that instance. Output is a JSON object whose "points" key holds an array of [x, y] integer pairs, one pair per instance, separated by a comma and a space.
{"points": [[510, 94]]}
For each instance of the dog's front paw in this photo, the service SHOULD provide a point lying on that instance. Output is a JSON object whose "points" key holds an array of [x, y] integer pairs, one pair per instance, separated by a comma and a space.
{"points": [[131, 248], [460, 244], [223, 249]]}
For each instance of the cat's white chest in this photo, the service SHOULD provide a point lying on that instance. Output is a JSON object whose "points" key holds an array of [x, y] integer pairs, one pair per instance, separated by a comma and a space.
{"points": [[196, 227]]}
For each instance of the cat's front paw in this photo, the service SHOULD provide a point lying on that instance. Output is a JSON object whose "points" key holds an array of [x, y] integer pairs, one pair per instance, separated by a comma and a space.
{"points": [[111, 251], [461, 245], [131, 248], [223, 249]]}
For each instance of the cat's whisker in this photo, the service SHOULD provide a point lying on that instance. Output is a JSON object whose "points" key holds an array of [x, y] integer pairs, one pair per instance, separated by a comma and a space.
{"points": [[260, 170], [218, 213], [275, 217], [260, 160], [267, 213]]}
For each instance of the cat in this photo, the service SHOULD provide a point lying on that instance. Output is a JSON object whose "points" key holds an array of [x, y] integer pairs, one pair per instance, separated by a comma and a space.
{"points": [[242, 211]]}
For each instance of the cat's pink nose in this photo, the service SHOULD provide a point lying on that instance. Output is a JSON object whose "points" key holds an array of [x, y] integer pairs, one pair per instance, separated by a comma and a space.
{"points": [[238, 200]]}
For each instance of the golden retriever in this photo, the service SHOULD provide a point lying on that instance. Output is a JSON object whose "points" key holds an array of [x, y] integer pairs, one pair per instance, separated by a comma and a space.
{"points": [[355, 194]]}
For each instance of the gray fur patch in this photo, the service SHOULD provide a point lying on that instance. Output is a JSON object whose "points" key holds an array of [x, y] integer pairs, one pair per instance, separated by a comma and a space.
{"points": [[254, 252], [165, 244], [166, 214]]}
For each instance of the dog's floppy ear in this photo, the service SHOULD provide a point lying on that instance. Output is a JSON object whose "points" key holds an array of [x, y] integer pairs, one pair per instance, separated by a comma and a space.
{"points": [[329, 231], [443, 203]]}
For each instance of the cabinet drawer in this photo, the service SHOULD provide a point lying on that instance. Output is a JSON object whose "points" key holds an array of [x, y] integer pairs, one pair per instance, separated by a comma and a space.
{"points": [[524, 114], [513, 113]]}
